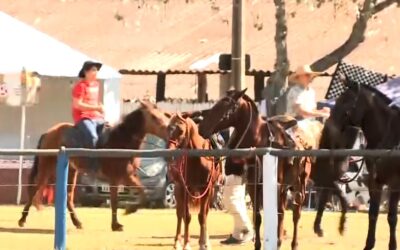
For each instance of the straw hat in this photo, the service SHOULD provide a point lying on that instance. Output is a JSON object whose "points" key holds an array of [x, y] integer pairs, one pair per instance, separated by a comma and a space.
{"points": [[303, 70]]}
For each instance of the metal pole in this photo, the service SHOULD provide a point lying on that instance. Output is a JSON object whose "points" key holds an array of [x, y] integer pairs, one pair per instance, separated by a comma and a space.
{"points": [[60, 236], [238, 53], [21, 158], [270, 201]]}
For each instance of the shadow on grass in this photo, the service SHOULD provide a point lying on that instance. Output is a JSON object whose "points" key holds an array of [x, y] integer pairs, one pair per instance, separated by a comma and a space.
{"points": [[212, 237], [26, 230]]}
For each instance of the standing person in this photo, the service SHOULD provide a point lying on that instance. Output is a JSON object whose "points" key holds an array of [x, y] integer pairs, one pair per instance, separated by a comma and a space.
{"points": [[87, 110], [235, 203]]}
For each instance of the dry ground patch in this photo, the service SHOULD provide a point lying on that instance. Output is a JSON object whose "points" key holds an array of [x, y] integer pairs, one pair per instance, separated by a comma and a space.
{"points": [[154, 229]]}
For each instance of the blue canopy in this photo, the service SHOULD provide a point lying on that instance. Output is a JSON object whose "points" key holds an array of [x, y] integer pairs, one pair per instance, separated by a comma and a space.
{"points": [[390, 88]]}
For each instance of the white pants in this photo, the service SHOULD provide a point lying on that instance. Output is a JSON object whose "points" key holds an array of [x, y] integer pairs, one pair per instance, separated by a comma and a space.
{"points": [[235, 204]]}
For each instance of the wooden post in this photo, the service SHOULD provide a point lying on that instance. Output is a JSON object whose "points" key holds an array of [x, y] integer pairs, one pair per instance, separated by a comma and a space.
{"points": [[202, 87], [160, 91], [238, 53], [258, 86]]}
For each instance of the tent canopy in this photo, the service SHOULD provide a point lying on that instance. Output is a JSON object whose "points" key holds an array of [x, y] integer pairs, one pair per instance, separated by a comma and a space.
{"points": [[23, 46], [390, 88]]}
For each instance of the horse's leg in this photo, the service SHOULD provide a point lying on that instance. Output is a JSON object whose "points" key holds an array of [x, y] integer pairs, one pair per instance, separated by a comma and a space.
{"points": [[31, 192], [115, 226], [43, 179], [204, 207], [343, 202], [72, 177], [375, 193], [282, 202], [179, 216], [187, 218], [255, 192], [323, 198], [392, 217]]}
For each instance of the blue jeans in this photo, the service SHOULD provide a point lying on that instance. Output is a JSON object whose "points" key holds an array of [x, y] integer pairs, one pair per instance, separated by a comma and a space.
{"points": [[91, 128]]}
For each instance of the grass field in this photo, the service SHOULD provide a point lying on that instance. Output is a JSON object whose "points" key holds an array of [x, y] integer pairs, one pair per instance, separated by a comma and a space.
{"points": [[154, 229]]}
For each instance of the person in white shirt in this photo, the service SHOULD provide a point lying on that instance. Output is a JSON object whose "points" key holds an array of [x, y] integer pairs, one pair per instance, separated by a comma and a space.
{"points": [[301, 104], [301, 100]]}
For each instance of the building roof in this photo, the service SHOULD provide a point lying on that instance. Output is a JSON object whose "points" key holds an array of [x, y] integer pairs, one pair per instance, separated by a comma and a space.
{"points": [[23, 46], [159, 35]]}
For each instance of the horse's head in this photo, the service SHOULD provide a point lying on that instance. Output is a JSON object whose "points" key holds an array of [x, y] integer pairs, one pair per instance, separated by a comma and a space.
{"points": [[356, 103], [223, 114], [180, 130], [154, 121]]}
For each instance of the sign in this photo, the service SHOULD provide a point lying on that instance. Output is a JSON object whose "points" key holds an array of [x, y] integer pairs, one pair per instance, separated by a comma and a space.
{"points": [[20, 89]]}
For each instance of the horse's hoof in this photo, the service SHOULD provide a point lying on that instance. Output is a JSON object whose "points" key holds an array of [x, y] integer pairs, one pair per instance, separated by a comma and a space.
{"points": [[187, 247], [117, 227], [205, 247], [79, 226], [21, 223], [319, 232], [342, 230], [178, 245]]}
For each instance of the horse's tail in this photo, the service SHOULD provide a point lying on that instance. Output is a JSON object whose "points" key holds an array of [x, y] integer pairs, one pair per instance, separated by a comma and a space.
{"points": [[34, 170]]}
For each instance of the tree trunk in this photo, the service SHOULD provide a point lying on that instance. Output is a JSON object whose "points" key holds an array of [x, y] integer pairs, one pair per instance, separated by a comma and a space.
{"points": [[357, 35], [277, 81]]}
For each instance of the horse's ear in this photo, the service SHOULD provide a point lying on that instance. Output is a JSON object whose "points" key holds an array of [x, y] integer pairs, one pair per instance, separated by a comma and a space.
{"points": [[240, 94]]}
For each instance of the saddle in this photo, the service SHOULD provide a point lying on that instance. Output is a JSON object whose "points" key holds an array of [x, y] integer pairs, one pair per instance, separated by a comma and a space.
{"points": [[75, 137], [281, 124]]}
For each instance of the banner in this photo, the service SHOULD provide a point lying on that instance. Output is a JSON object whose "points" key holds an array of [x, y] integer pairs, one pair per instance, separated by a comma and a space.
{"points": [[19, 89]]}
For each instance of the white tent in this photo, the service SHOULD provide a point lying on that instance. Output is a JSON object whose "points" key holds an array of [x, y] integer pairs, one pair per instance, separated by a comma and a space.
{"points": [[22, 46]]}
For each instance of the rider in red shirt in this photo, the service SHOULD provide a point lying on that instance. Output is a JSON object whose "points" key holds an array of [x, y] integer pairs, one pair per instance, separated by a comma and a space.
{"points": [[87, 110]]}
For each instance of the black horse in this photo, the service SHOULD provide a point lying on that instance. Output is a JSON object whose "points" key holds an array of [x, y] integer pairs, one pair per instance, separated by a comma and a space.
{"points": [[365, 107], [326, 173]]}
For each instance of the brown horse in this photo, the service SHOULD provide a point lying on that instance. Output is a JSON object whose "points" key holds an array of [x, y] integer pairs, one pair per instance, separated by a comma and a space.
{"points": [[128, 134], [239, 111], [194, 179]]}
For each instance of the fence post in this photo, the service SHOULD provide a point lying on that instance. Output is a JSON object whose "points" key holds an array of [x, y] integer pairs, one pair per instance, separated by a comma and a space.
{"points": [[61, 201], [270, 201]]}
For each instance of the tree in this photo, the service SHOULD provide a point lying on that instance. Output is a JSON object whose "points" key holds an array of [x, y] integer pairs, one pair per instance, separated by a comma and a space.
{"points": [[357, 35], [277, 80], [281, 68]]}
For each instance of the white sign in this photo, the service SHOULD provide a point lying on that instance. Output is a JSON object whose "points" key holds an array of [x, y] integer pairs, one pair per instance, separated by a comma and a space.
{"points": [[19, 89]]}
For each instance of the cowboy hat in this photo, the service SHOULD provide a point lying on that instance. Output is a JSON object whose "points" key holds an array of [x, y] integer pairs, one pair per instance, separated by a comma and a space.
{"points": [[303, 70], [87, 66]]}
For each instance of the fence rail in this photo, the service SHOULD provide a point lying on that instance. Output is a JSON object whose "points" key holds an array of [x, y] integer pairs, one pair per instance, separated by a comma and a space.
{"points": [[122, 153], [269, 184]]}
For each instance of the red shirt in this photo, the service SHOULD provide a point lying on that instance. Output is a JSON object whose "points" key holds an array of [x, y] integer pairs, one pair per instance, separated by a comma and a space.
{"points": [[89, 92]]}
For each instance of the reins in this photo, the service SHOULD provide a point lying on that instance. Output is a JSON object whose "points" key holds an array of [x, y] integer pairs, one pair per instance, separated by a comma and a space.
{"points": [[182, 167]]}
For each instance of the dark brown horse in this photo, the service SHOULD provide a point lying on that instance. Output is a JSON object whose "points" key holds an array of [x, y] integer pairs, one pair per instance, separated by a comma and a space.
{"points": [[194, 179], [239, 111], [327, 173], [365, 107], [128, 134]]}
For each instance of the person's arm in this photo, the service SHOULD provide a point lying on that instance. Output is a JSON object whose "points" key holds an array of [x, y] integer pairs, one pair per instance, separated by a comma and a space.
{"points": [[78, 103], [313, 113]]}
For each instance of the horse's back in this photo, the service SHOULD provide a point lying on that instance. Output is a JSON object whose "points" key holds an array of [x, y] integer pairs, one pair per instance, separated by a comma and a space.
{"points": [[55, 136]]}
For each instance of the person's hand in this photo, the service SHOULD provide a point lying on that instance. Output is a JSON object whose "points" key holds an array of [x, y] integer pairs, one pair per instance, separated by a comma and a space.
{"points": [[100, 108]]}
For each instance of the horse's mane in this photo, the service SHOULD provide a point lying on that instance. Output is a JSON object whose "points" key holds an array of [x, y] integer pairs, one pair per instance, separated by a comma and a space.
{"points": [[252, 103], [133, 122]]}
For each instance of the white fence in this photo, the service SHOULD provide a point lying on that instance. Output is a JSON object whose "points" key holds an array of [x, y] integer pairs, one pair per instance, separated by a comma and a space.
{"points": [[269, 176]]}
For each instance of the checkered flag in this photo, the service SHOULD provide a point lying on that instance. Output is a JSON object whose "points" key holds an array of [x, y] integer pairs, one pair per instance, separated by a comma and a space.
{"points": [[355, 73]]}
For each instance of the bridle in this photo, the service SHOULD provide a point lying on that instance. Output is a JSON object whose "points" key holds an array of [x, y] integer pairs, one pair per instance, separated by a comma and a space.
{"points": [[182, 165]]}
